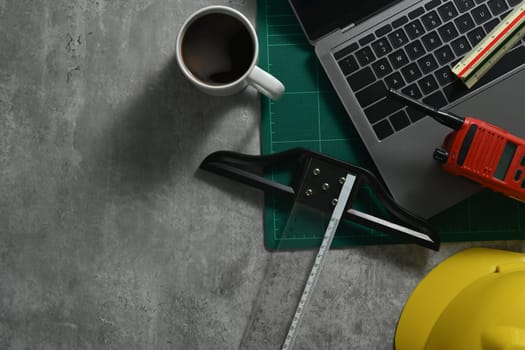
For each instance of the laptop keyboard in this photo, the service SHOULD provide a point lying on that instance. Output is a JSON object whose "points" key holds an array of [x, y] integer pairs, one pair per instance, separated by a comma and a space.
{"points": [[414, 54]]}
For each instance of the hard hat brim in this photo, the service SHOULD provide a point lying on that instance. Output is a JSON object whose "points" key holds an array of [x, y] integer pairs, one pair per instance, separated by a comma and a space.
{"points": [[430, 298]]}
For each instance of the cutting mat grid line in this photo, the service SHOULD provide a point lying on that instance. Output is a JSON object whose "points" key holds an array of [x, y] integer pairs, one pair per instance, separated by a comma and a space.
{"points": [[312, 140], [320, 137], [310, 115]]}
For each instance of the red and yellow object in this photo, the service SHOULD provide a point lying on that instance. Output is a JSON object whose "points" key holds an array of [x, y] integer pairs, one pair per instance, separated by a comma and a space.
{"points": [[487, 52]]}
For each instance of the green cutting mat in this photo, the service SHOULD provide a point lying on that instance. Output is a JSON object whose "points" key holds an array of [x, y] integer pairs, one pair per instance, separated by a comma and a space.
{"points": [[310, 115]]}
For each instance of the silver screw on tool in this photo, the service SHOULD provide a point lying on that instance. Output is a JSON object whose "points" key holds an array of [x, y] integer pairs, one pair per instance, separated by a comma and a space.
{"points": [[325, 186], [334, 202], [309, 192], [342, 180], [316, 171]]}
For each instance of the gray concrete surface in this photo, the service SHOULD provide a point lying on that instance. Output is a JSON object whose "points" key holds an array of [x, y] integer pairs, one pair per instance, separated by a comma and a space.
{"points": [[109, 236]]}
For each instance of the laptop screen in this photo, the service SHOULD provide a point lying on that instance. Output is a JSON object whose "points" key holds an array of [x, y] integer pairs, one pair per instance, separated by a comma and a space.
{"points": [[320, 17]]}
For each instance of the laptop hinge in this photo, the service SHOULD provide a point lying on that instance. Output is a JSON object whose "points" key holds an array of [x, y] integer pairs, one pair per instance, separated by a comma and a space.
{"points": [[347, 28]]}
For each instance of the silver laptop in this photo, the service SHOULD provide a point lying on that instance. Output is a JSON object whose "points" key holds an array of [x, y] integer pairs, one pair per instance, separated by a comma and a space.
{"points": [[367, 46]]}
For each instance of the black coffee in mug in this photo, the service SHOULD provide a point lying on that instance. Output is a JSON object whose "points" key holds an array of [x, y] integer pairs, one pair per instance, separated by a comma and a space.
{"points": [[217, 52], [217, 48]]}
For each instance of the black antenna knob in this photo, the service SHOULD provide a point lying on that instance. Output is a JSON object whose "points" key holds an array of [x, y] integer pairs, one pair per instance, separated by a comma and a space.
{"points": [[441, 155]]}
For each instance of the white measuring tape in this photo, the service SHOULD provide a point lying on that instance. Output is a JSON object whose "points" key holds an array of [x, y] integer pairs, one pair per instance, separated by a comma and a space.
{"points": [[489, 50], [319, 261]]}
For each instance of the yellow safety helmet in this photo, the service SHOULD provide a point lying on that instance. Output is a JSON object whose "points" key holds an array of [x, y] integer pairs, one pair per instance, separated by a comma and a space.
{"points": [[472, 300]]}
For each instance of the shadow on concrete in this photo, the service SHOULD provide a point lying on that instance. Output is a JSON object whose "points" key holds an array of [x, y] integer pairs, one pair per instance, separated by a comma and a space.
{"points": [[249, 195], [157, 137]]}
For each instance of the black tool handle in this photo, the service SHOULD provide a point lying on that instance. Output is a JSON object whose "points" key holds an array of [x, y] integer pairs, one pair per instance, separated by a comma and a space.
{"points": [[249, 170]]}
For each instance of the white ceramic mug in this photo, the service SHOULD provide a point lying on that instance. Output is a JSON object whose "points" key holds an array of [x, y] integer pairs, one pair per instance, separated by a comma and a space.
{"points": [[217, 50]]}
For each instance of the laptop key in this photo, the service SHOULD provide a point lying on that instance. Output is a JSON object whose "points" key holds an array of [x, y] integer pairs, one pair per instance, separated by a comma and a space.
{"points": [[481, 14], [416, 13], [427, 64], [455, 90], [383, 129], [455, 61], [400, 21], [491, 25], [382, 109], [414, 29], [436, 100], [431, 41], [428, 84], [414, 114], [412, 91], [444, 76], [398, 59], [464, 23], [431, 20], [383, 30], [448, 32], [399, 120], [361, 79], [346, 51], [431, 4], [476, 35], [514, 2], [398, 38], [371, 94], [415, 50], [348, 65], [395, 81], [382, 67], [497, 6], [367, 39], [444, 55], [447, 11], [460, 46], [505, 14], [381, 47], [365, 56], [464, 5], [411, 72]]}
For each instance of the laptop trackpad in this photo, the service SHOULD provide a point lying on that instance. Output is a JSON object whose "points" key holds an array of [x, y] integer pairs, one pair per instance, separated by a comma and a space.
{"points": [[415, 179]]}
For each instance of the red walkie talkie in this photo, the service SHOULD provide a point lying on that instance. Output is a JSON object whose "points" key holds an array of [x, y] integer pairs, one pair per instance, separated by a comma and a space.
{"points": [[478, 151]]}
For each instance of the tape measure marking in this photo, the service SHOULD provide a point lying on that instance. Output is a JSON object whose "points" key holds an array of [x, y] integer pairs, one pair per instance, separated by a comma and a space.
{"points": [[319, 261]]}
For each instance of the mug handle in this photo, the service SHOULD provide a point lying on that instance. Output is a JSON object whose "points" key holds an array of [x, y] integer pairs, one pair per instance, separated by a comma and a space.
{"points": [[265, 83]]}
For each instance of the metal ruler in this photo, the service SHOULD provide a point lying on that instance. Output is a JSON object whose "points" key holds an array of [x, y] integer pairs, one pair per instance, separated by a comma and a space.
{"points": [[319, 260], [489, 50]]}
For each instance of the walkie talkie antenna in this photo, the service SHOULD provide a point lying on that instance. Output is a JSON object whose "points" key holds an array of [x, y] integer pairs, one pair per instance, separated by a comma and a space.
{"points": [[446, 118]]}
